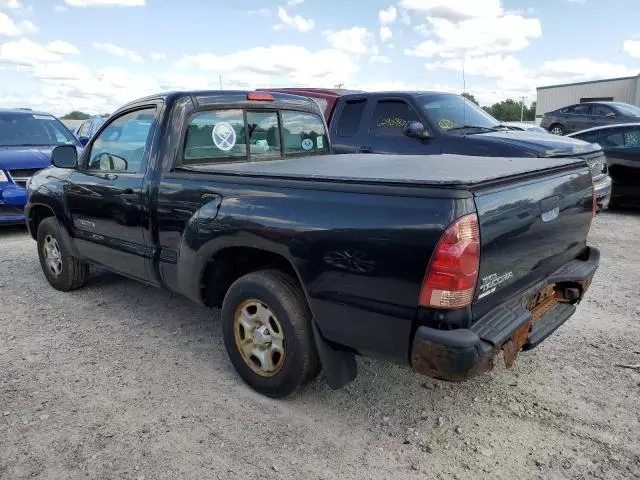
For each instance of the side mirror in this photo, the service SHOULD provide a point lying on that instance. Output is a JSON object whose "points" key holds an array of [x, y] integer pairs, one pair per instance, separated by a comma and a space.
{"points": [[83, 141], [416, 130], [64, 156]]}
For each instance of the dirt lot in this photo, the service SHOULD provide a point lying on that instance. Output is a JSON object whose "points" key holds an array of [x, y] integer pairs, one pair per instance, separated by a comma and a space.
{"points": [[122, 381]]}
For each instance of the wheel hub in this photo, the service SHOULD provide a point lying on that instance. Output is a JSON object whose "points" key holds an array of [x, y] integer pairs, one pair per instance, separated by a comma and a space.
{"points": [[259, 337], [52, 254]]}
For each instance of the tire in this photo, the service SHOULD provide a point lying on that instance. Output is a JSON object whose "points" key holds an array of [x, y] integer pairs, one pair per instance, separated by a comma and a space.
{"points": [[266, 312], [557, 129], [68, 273]]}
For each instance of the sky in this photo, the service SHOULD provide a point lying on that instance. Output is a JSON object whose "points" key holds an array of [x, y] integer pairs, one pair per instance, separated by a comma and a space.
{"points": [[95, 55]]}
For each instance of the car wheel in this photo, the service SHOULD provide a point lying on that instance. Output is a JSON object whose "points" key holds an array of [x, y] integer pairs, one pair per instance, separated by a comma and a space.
{"points": [[557, 129], [267, 332], [63, 271]]}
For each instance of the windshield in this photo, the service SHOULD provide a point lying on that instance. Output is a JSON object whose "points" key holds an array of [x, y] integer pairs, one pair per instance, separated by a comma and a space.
{"points": [[453, 111], [32, 129], [628, 110]]}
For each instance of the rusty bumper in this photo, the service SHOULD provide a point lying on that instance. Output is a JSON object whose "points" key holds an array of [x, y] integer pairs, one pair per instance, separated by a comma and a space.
{"points": [[519, 324]]}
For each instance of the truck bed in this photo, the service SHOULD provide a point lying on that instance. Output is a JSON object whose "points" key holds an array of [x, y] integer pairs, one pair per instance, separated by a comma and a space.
{"points": [[428, 170]]}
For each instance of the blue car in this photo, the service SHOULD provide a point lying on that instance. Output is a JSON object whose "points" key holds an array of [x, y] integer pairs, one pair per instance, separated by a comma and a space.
{"points": [[26, 141], [87, 128]]}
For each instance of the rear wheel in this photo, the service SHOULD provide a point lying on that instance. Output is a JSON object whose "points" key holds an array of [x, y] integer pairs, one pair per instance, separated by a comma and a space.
{"points": [[267, 333], [63, 271], [557, 129]]}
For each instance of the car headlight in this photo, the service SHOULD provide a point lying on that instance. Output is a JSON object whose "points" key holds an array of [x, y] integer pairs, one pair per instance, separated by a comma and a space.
{"points": [[3, 177]]}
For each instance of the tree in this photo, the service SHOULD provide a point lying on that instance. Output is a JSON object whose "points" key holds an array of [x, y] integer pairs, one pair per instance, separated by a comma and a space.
{"points": [[76, 115], [510, 111], [469, 96]]}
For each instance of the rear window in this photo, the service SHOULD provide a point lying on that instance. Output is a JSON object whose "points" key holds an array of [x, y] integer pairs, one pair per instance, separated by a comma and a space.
{"points": [[32, 129], [350, 117], [236, 135]]}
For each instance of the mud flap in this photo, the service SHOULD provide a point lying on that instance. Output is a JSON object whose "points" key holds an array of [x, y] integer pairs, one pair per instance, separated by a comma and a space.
{"points": [[339, 367]]}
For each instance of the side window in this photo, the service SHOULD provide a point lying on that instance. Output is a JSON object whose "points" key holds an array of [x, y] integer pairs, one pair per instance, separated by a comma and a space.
{"points": [[264, 134], [600, 110], [580, 110], [350, 117], [390, 118], [120, 146], [216, 134], [613, 138], [303, 133], [632, 137], [591, 137], [83, 130]]}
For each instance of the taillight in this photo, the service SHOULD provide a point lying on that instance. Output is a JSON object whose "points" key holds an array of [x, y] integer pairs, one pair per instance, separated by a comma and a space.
{"points": [[453, 271], [264, 97]]}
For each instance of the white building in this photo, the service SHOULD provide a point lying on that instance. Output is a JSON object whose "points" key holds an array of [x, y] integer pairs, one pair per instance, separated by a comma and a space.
{"points": [[625, 89]]}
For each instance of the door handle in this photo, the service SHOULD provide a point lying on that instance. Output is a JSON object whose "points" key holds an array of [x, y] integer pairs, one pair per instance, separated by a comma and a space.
{"points": [[365, 149], [128, 197]]}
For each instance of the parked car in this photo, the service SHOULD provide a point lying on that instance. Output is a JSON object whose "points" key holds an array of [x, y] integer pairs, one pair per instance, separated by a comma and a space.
{"points": [[523, 126], [233, 199], [88, 128], [418, 123], [621, 145], [589, 114], [26, 140]]}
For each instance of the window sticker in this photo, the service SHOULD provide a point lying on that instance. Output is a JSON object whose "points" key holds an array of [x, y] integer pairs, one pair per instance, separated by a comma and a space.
{"points": [[445, 123], [320, 141], [307, 144], [391, 122], [224, 136]]}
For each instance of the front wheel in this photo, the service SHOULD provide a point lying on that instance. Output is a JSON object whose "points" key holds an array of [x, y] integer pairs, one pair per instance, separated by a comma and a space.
{"points": [[267, 332], [557, 129], [63, 271]]}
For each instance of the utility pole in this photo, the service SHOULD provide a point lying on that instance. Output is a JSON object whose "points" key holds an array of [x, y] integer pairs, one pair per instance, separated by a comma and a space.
{"points": [[339, 85], [220, 78], [522, 107]]}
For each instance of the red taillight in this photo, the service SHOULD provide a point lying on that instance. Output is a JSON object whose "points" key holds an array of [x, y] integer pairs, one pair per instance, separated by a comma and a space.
{"points": [[453, 271], [263, 97]]}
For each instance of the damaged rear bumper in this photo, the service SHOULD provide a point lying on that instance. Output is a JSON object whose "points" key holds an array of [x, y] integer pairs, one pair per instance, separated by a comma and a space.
{"points": [[457, 355]]}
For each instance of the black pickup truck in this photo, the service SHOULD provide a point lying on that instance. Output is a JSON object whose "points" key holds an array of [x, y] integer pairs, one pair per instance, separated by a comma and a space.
{"points": [[428, 123], [232, 199]]}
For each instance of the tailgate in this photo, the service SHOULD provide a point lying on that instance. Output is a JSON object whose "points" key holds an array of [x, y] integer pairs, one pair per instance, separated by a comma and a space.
{"points": [[528, 229]]}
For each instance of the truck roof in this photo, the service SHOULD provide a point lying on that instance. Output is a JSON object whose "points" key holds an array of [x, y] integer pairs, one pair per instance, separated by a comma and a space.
{"points": [[217, 97], [434, 170]]}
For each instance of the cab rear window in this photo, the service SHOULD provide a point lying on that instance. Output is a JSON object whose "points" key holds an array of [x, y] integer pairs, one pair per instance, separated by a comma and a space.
{"points": [[236, 135]]}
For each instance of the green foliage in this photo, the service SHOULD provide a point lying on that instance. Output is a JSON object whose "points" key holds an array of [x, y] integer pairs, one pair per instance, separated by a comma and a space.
{"points": [[469, 96], [76, 115], [510, 110]]}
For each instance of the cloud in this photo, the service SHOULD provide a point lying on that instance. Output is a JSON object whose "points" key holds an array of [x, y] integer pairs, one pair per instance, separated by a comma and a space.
{"points": [[385, 33], [158, 56], [296, 22], [9, 28], [105, 3], [388, 16], [632, 48], [117, 51], [276, 64], [352, 40], [379, 59], [13, 4], [63, 48], [477, 36], [26, 52], [455, 10]]}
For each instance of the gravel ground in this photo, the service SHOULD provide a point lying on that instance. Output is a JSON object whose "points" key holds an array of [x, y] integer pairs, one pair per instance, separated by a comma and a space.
{"points": [[118, 380]]}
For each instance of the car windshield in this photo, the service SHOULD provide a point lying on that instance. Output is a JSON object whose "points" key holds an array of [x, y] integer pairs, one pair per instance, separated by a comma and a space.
{"points": [[453, 111], [628, 110], [32, 129]]}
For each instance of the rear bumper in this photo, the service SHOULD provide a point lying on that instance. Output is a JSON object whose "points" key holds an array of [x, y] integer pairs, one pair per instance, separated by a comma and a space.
{"points": [[457, 355], [603, 192]]}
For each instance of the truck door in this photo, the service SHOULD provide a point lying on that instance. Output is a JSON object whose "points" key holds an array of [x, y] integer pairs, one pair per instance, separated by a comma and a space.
{"points": [[105, 195], [384, 132]]}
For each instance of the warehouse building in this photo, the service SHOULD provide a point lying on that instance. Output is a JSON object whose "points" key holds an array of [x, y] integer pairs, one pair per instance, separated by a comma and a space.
{"points": [[625, 89]]}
